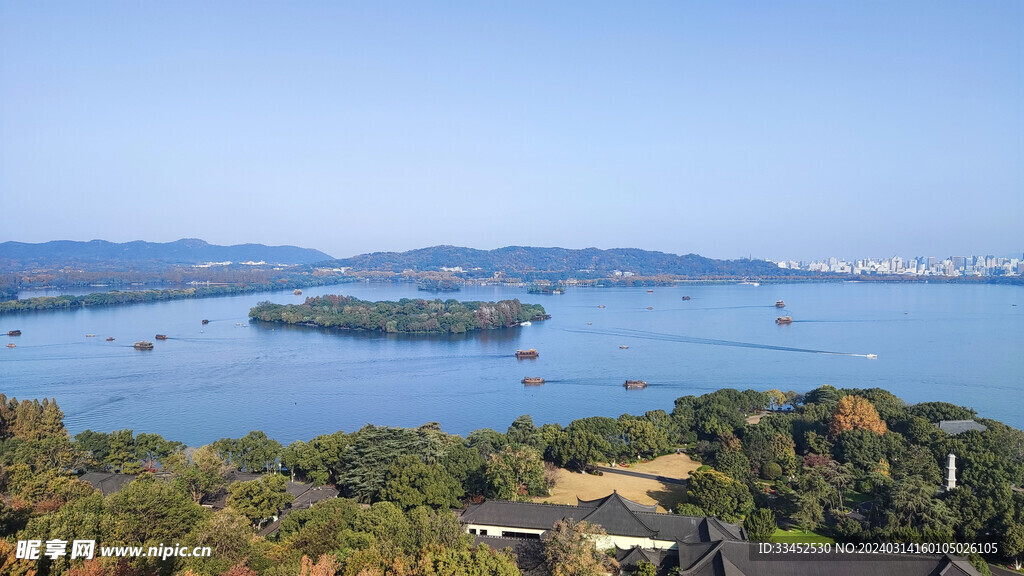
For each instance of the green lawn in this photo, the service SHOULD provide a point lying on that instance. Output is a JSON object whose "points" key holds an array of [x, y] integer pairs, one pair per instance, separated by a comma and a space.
{"points": [[792, 536], [851, 499]]}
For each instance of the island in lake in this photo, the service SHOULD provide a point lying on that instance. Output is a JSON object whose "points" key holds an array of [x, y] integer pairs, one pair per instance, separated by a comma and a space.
{"points": [[404, 316]]}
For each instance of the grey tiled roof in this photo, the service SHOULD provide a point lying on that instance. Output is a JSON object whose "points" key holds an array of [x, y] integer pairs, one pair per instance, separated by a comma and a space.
{"points": [[617, 515], [107, 482], [958, 426]]}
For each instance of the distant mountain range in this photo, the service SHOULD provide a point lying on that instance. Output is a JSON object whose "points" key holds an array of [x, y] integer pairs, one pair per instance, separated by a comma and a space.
{"points": [[540, 262], [21, 255]]}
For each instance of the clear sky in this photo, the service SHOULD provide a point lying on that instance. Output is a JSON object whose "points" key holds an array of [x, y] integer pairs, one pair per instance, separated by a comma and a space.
{"points": [[778, 129]]}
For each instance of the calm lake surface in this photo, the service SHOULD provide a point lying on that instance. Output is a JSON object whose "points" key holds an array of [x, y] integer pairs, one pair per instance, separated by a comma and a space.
{"points": [[957, 343]]}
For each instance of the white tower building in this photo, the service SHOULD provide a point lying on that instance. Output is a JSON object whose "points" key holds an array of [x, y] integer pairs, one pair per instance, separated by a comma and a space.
{"points": [[951, 473]]}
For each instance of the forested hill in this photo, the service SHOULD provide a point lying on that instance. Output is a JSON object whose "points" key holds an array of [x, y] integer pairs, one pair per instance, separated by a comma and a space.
{"points": [[525, 259], [21, 255]]}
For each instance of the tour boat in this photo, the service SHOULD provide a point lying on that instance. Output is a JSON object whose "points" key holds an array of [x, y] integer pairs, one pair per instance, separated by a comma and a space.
{"points": [[161, 336], [635, 384], [90, 335], [297, 292], [14, 333], [12, 345], [527, 323], [624, 347], [531, 353], [143, 345], [110, 338], [784, 320], [872, 356], [532, 380], [780, 304]]}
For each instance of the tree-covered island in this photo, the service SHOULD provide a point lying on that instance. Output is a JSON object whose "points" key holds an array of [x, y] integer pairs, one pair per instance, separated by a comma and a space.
{"points": [[404, 316]]}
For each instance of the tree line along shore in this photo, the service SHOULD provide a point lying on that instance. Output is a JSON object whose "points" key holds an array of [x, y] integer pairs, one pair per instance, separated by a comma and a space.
{"points": [[854, 465]]}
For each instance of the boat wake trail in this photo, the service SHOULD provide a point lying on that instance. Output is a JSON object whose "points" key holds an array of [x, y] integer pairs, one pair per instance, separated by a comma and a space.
{"points": [[643, 335]]}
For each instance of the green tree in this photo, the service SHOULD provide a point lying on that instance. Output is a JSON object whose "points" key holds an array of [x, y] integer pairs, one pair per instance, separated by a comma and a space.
{"points": [[149, 511], [412, 483], [523, 432], [719, 495], [1013, 543], [760, 525], [515, 474], [259, 500], [202, 476]]}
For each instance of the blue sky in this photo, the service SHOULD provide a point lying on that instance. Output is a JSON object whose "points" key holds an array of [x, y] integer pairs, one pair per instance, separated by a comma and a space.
{"points": [[778, 129]]}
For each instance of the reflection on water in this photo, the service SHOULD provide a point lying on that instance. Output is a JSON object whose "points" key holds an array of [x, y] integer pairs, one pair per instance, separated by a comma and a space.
{"points": [[951, 343]]}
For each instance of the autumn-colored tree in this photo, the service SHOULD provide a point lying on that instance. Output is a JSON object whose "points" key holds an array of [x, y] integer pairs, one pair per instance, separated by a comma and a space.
{"points": [[856, 413], [327, 565], [569, 549], [240, 569]]}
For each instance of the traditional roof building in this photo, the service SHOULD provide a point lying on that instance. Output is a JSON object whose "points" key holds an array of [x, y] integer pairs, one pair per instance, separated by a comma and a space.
{"points": [[628, 524], [675, 544]]}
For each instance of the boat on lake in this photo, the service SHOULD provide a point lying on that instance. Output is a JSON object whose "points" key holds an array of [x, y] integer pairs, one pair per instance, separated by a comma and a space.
{"points": [[686, 297], [161, 336], [624, 347], [635, 384], [205, 321], [872, 356], [650, 307], [297, 292], [143, 345], [780, 304], [12, 345], [650, 290], [784, 320], [531, 353], [532, 381], [527, 323], [110, 338], [14, 333], [600, 305]]}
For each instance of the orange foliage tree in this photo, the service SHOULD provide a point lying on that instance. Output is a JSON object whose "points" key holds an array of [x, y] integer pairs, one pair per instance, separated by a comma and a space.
{"points": [[856, 413]]}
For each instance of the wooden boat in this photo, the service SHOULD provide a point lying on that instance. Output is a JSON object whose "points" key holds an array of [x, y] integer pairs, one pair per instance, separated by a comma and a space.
{"points": [[780, 304], [143, 345], [14, 333], [110, 338], [531, 353], [205, 321], [686, 297], [635, 384], [624, 347], [532, 380], [784, 320], [297, 292], [161, 336], [12, 345]]}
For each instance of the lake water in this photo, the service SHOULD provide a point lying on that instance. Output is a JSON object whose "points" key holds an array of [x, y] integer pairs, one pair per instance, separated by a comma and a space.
{"points": [[956, 343]]}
